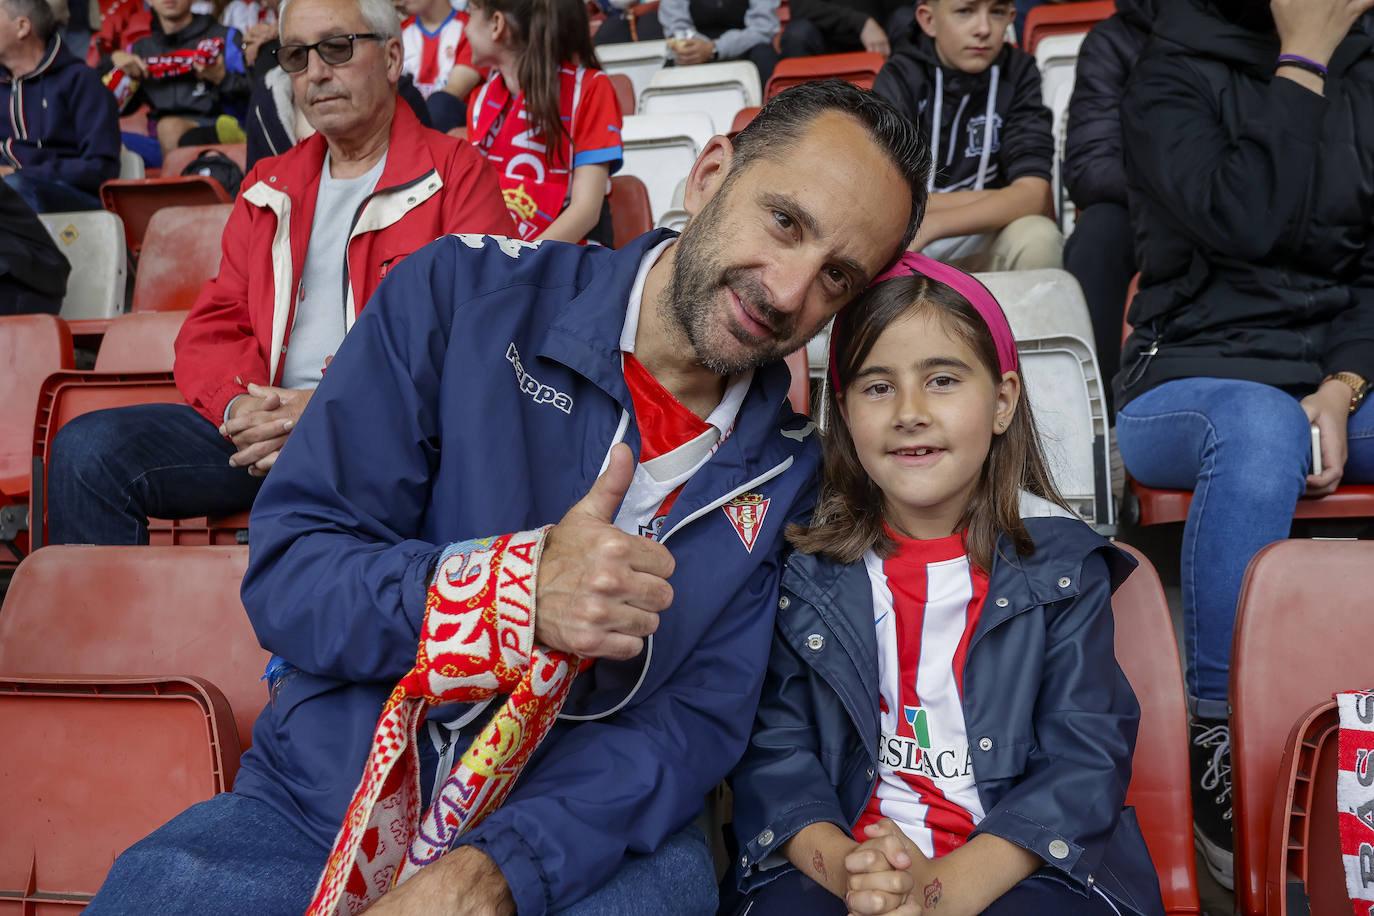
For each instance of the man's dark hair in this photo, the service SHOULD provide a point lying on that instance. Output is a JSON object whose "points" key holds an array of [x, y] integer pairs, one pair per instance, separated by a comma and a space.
{"points": [[780, 123], [39, 13]]}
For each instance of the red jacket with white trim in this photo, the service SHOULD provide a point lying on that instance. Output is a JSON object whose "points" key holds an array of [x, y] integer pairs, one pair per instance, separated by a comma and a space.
{"points": [[240, 326]]}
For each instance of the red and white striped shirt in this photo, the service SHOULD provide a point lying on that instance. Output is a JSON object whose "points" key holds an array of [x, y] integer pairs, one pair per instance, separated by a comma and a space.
{"points": [[926, 601]]}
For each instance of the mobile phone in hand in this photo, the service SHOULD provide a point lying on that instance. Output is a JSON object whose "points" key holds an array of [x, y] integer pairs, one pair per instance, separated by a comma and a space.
{"points": [[1316, 450]]}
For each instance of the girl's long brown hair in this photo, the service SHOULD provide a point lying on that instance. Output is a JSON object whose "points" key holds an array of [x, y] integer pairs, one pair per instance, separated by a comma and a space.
{"points": [[849, 517], [545, 33]]}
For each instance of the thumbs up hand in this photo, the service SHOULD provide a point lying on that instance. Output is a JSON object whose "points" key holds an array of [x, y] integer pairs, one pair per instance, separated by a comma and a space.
{"points": [[600, 590]]}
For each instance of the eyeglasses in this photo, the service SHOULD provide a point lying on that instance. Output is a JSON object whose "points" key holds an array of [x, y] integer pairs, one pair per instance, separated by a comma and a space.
{"points": [[333, 51]]}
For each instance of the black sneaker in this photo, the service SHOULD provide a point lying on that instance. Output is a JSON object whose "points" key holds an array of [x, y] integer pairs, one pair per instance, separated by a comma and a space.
{"points": [[1209, 759]]}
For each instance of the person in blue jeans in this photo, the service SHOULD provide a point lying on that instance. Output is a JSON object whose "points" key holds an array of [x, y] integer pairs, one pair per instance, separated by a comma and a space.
{"points": [[1250, 179]]}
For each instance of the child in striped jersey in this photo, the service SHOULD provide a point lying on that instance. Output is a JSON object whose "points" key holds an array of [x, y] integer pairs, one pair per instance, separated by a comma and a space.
{"points": [[943, 728]]}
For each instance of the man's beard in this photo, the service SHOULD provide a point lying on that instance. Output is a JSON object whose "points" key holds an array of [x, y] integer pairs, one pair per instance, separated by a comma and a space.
{"points": [[692, 300]]}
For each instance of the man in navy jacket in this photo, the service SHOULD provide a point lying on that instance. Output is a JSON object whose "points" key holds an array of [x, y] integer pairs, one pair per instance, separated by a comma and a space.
{"points": [[485, 390], [59, 134]]}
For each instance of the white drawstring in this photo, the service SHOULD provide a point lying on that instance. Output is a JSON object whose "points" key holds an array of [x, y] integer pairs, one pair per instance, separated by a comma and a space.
{"points": [[987, 128]]}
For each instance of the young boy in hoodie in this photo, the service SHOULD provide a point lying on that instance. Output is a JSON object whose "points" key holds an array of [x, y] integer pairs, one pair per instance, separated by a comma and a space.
{"points": [[191, 72], [977, 100]]}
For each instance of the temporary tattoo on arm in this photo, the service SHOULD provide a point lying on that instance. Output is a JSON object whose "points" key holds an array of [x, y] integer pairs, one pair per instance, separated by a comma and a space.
{"points": [[818, 863], [932, 892]]}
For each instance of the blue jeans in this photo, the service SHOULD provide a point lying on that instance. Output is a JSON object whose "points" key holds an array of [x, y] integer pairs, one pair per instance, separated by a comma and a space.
{"points": [[235, 855], [48, 195], [110, 470], [1244, 449]]}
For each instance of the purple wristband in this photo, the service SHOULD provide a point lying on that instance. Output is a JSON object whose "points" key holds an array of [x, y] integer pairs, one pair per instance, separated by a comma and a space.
{"points": [[1303, 63]]}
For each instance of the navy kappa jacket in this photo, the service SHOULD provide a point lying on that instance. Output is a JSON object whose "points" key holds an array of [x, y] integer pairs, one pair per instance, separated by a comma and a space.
{"points": [[479, 393], [59, 121], [1051, 718]]}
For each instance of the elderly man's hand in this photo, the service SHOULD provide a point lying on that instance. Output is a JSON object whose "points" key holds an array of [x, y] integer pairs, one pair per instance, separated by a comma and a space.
{"points": [[253, 40], [259, 423], [465, 882], [599, 591], [689, 51]]}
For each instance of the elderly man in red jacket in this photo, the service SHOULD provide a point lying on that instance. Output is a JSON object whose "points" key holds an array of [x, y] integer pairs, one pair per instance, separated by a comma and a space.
{"points": [[311, 235]]}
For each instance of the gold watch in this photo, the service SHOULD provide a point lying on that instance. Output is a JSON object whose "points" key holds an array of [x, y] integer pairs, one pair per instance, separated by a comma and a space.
{"points": [[1358, 386]]}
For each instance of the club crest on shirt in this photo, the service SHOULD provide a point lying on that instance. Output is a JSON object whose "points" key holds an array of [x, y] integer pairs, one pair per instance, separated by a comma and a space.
{"points": [[746, 513]]}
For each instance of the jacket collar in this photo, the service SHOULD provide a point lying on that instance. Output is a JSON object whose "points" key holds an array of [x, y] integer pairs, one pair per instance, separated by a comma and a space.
{"points": [[55, 57]]}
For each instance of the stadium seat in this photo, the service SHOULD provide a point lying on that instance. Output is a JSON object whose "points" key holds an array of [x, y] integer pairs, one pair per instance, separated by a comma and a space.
{"points": [[136, 201], [93, 243], [639, 60], [1147, 653], [1049, 318], [630, 215], [31, 347], [660, 151], [742, 119], [1304, 874], [624, 93], [141, 342], [181, 251], [136, 612], [857, 67], [1302, 632], [720, 90], [1151, 506], [1063, 19], [92, 765], [131, 164], [175, 162]]}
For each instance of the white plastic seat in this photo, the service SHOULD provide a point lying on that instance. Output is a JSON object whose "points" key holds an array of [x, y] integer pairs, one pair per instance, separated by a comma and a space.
{"points": [[719, 89], [639, 60], [660, 151], [93, 243], [1057, 58], [131, 164], [674, 218]]}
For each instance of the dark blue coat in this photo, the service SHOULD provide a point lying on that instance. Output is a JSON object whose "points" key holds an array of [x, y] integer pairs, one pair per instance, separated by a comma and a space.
{"points": [[60, 122], [1050, 717], [479, 393]]}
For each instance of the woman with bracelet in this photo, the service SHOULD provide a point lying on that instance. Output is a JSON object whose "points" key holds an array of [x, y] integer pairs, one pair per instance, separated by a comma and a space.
{"points": [[1249, 138]]}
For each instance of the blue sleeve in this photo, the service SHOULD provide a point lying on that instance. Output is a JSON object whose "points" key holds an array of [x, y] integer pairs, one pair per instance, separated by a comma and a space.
{"points": [[337, 579], [626, 783], [612, 155], [760, 25], [93, 107]]}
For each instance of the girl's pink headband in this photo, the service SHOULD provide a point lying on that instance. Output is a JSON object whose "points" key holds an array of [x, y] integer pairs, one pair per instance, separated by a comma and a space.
{"points": [[912, 264]]}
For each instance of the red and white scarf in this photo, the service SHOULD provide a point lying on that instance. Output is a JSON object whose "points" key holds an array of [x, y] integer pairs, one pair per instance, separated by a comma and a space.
{"points": [[477, 641], [1355, 796]]}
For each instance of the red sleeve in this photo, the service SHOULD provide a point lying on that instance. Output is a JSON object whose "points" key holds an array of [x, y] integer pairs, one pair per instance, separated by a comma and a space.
{"points": [[596, 125], [217, 353], [472, 196]]}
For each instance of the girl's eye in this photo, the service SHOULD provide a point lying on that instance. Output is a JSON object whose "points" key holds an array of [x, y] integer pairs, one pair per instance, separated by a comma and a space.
{"points": [[943, 381], [878, 389]]}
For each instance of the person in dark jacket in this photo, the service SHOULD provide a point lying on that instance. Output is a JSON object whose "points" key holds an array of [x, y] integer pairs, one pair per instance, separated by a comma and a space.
{"points": [[943, 718], [978, 100], [59, 135], [1251, 181], [831, 27], [191, 72], [1100, 252], [33, 271]]}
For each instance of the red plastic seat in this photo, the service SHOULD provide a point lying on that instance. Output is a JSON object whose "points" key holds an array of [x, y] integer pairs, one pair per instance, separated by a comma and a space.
{"points": [[630, 213], [90, 766], [857, 67], [181, 251], [1063, 19], [135, 200], [175, 162], [31, 348], [1302, 632], [624, 92], [1147, 653], [136, 611], [1304, 836]]}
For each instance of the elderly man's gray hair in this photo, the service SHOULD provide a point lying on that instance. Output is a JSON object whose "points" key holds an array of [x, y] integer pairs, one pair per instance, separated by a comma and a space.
{"points": [[44, 15], [379, 15]]}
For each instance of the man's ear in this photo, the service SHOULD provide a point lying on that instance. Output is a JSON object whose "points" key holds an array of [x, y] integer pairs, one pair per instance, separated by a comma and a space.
{"points": [[925, 17], [708, 173], [395, 60]]}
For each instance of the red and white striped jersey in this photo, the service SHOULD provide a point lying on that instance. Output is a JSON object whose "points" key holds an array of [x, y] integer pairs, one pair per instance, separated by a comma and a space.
{"points": [[429, 56], [926, 600]]}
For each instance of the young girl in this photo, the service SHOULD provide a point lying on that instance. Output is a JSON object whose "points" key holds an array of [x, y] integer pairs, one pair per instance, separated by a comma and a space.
{"points": [[943, 728], [547, 118]]}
